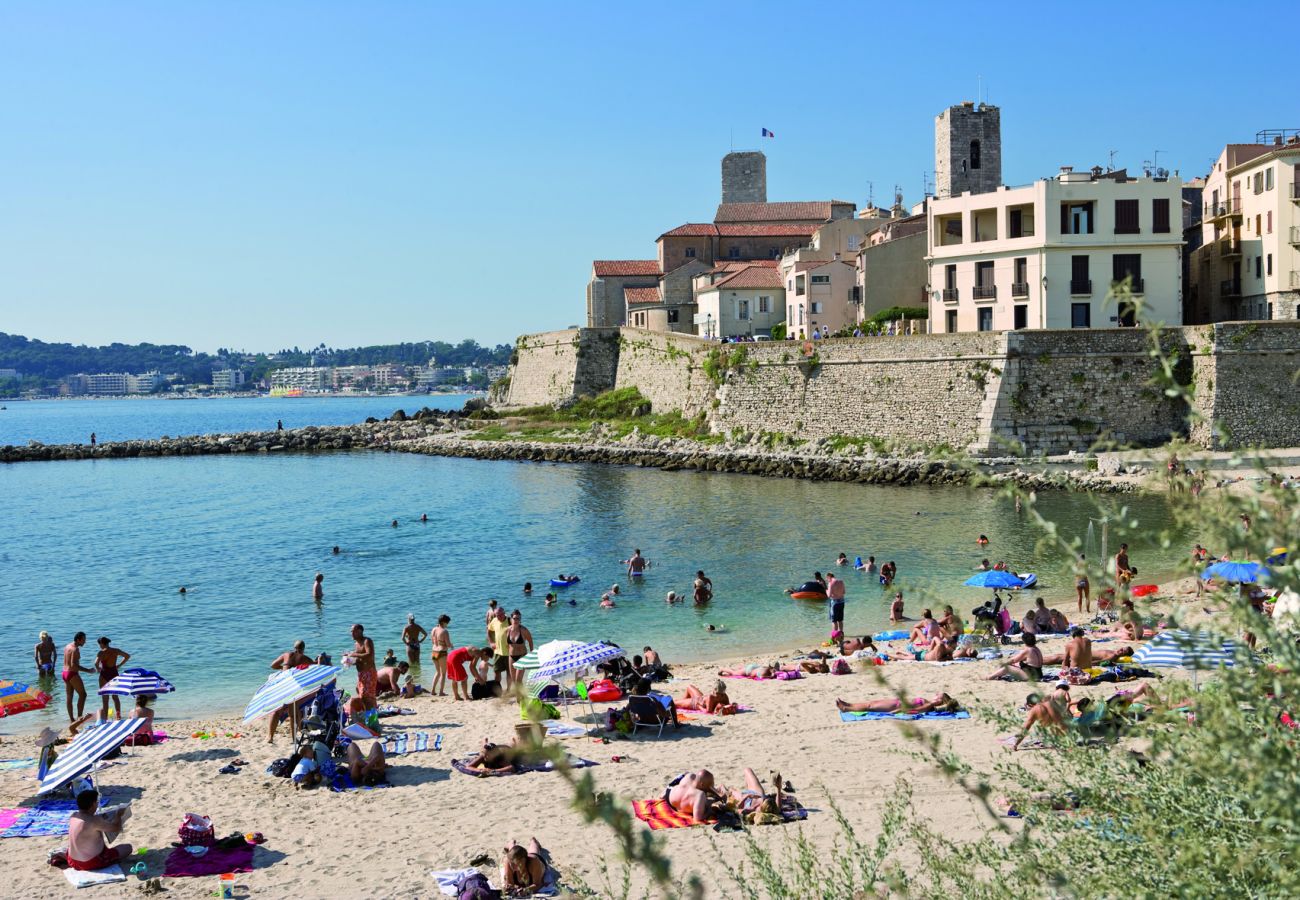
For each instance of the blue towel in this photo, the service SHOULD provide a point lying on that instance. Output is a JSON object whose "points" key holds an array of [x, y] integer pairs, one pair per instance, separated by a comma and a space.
{"points": [[343, 783], [871, 716]]}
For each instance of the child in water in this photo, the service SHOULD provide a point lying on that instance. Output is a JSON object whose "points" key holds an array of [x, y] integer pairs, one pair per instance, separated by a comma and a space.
{"points": [[390, 658]]}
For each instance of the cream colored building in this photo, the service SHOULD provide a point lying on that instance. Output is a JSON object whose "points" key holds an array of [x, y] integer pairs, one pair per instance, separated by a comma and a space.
{"points": [[1047, 254], [818, 294], [1248, 266], [741, 303]]}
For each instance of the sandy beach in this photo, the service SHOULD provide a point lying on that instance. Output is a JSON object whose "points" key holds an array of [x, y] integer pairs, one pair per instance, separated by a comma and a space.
{"points": [[383, 843]]}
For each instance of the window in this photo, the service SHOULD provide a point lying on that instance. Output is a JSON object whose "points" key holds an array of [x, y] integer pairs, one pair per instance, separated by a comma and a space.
{"points": [[1076, 218], [1126, 217], [1020, 276], [821, 279], [690, 252], [951, 320], [985, 318], [852, 243], [1257, 223], [1017, 227], [742, 310], [798, 286], [1269, 220], [1268, 179], [789, 313], [1258, 266], [1079, 283], [1160, 215], [773, 252], [1127, 265], [1269, 267], [1022, 316], [734, 253], [814, 308], [974, 154], [984, 287], [764, 304], [1259, 182], [672, 317], [800, 313], [1080, 315], [950, 277]]}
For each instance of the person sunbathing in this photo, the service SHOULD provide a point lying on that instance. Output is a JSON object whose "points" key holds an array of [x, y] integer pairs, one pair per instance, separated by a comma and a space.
{"points": [[918, 706], [853, 645], [1045, 713], [950, 624], [692, 794], [752, 802], [1027, 665], [497, 757], [524, 871], [716, 702], [1142, 700], [370, 769]]}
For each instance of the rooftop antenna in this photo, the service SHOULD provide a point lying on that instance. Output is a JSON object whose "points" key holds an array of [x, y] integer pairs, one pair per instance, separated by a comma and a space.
{"points": [[733, 139], [1111, 167], [925, 184], [979, 90], [1152, 165], [871, 194]]}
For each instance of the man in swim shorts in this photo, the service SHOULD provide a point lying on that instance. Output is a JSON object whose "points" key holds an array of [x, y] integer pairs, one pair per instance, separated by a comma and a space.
{"points": [[693, 794], [835, 592], [412, 634], [636, 565], [363, 656], [44, 655], [72, 669]]}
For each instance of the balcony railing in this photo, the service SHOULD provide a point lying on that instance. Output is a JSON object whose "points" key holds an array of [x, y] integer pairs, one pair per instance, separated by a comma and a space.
{"points": [[1230, 288], [1230, 247], [1080, 286], [1216, 210], [1020, 289], [950, 295], [1234, 208], [984, 291]]}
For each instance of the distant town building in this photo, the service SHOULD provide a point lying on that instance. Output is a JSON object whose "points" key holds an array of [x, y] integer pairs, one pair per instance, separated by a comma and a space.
{"points": [[9, 373], [144, 383], [309, 379], [745, 301], [606, 305], [110, 384], [1249, 264], [818, 295], [744, 177], [891, 270], [1046, 255], [227, 379]]}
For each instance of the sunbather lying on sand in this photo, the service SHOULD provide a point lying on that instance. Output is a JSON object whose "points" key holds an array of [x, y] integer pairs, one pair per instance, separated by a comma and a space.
{"points": [[696, 795], [370, 769], [495, 757], [853, 645], [524, 871], [918, 706], [716, 702], [769, 670]]}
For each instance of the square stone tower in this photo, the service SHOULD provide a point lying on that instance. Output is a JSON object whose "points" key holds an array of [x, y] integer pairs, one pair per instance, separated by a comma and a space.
{"points": [[744, 177], [967, 150]]}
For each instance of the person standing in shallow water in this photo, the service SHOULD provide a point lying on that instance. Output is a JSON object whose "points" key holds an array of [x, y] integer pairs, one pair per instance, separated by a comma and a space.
{"points": [[106, 661], [318, 588], [44, 655], [72, 669], [412, 635]]}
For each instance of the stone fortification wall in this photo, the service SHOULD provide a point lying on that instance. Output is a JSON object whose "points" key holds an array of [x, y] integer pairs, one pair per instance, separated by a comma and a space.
{"points": [[555, 366], [667, 369], [1246, 384]]}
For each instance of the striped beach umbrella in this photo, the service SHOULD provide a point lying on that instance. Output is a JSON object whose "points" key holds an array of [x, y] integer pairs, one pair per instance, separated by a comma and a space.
{"points": [[16, 697], [543, 654], [135, 683], [92, 745], [1193, 650], [581, 656], [289, 686]]}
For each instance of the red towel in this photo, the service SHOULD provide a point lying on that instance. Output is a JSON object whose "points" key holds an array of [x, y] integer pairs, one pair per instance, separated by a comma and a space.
{"points": [[658, 814]]}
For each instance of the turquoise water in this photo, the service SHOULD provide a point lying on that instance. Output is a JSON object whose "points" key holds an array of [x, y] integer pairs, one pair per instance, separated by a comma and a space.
{"points": [[102, 546], [72, 421]]}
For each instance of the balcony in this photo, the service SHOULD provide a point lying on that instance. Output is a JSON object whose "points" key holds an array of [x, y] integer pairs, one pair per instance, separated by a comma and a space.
{"points": [[1230, 288], [1216, 210], [949, 295], [1020, 289], [1295, 192], [1234, 208], [1229, 247], [1080, 287], [985, 291], [1295, 234]]}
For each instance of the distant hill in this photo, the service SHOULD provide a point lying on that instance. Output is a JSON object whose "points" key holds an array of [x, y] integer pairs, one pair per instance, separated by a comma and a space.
{"points": [[37, 360]]}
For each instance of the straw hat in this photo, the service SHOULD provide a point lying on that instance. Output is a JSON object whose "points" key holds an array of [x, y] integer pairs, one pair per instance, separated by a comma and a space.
{"points": [[46, 737]]}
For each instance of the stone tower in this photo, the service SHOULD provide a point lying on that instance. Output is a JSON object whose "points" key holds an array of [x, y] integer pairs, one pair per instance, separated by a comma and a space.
{"points": [[744, 177], [967, 150]]}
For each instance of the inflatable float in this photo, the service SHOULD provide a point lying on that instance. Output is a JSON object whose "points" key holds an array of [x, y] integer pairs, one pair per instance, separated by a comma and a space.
{"points": [[1027, 580], [1143, 590], [555, 582], [891, 635], [809, 590]]}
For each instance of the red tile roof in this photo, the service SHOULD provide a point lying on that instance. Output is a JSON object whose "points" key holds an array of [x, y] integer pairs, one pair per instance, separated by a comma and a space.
{"points": [[735, 265], [691, 229], [756, 230], [641, 295], [612, 268], [752, 277], [818, 210]]}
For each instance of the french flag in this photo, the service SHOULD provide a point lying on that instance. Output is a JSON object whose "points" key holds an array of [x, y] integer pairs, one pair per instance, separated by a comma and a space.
{"points": [[767, 133]]}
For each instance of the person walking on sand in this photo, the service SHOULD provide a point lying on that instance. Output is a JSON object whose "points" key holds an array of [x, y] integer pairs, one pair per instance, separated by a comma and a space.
{"points": [[106, 662], [835, 592], [44, 655], [439, 646], [318, 588], [72, 669], [412, 635], [363, 657], [1124, 570]]}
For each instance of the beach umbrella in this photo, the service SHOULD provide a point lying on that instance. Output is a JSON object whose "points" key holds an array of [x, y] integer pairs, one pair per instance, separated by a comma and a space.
{"points": [[1193, 650], [543, 654], [136, 683], [16, 697], [577, 657], [1235, 571], [994, 578], [288, 686], [92, 745]]}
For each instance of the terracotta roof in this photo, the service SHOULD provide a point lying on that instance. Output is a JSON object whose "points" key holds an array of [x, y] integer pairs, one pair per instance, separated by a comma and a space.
{"points": [[758, 230], [752, 277], [641, 295], [691, 229], [819, 210], [609, 268], [735, 265]]}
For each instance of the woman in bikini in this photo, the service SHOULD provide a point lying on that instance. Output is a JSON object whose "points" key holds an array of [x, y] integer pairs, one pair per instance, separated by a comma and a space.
{"points": [[524, 871], [440, 646], [106, 662], [716, 702], [918, 706], [520, 641]]}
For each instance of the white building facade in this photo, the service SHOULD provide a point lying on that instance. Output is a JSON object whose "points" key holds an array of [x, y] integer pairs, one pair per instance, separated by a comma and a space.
{"points": [[1046, 255], [745, 303]]}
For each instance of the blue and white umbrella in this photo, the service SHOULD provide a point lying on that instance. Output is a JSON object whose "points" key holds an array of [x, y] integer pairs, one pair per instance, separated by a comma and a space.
{"points": [[1235, 572], [1193, 650], [136, 683], [92, 745], [579, 656], [994, 578], [289, 686]]}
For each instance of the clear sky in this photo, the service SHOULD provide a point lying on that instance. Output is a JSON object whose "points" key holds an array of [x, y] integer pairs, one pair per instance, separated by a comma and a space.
{"points": [[260, 175]]}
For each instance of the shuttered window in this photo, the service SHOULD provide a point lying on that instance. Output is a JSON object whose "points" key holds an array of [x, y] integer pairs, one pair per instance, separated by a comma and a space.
{"points": [[1160, 215], [1126, 217]]}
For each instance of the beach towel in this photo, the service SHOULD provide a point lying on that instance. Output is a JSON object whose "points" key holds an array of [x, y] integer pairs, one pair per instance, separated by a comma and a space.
{"points": [[385, 712], [216, 861], [49, 818], [899, 717], [416, 742], [80, 879], [779, 676], [463, 766], [9, 816], [658, 814], [343, 783], [8, 764], [447, 879], [740, 708], [556, 728], [951, 662]]}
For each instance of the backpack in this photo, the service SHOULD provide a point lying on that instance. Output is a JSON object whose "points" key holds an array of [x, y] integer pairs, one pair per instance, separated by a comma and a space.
{"points": [[474, 886]]}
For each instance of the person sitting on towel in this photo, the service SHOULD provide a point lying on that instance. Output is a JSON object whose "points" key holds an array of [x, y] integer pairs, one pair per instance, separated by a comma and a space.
{"points": [[89, 835], [524, 871], [1027, 665], [370, 769], [1046, 712]]}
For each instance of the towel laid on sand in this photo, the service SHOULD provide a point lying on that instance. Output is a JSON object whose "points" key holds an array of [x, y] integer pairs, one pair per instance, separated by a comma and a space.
{"points": [[555, 728], [8, 764], [658, 814], [899, 716], [183, 864], [413, 742], [80, 879], [779, 676], [343, 783], [740, 708], [48, 818], [463, 766]]}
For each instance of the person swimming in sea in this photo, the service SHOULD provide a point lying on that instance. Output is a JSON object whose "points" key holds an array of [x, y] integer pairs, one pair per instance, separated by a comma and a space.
{"points": [[424, 517], [607, 602], [716, 629], [982, 540], [842, 560], [181, 589], [337, 551], [394, 523], [550, 599]]}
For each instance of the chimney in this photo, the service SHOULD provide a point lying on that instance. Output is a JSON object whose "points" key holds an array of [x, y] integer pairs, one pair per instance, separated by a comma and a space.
{"points": [[1277, 141]]}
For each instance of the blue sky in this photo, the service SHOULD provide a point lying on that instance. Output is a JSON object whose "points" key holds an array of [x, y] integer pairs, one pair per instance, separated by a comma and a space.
{"points": [[259, 175]]}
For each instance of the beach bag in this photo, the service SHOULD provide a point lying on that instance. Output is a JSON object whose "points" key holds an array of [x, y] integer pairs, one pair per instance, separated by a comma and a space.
{"points": [[474, 886], [841, 667], [196, 831]]}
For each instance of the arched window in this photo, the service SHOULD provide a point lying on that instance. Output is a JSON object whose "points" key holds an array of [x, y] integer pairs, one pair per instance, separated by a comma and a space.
{"points": [[974, 154]]}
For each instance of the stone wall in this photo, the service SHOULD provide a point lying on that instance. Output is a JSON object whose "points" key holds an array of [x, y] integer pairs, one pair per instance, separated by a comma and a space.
{"points": [[1245, 380], [559, 365], [744, 177], [667, 369]]}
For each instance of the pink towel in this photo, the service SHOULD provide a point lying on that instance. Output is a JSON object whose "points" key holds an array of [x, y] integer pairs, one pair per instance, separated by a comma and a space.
{"points": [[183, 864]]}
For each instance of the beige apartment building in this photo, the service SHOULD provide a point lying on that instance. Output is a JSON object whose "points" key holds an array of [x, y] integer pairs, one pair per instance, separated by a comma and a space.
{"points": [[1046, 255], [819, 295], [1248, 264], [745, 301]]}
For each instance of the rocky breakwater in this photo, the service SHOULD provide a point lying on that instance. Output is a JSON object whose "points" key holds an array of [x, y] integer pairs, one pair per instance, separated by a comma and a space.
{"points": [[752, 455], [373, 434]]}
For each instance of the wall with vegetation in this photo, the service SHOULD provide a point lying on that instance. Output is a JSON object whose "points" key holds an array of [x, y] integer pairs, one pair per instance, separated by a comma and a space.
{"points": [[667, 369]]}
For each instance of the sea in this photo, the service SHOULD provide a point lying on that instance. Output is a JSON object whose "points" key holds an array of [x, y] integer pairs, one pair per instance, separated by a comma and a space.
{"points": [[103, 546]]}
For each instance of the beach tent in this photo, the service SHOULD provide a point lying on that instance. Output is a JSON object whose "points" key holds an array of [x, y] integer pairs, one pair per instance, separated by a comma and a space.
{"points": [[1193, 650], [136, 683], [91, 745], [16, 697], [995, 579]]}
